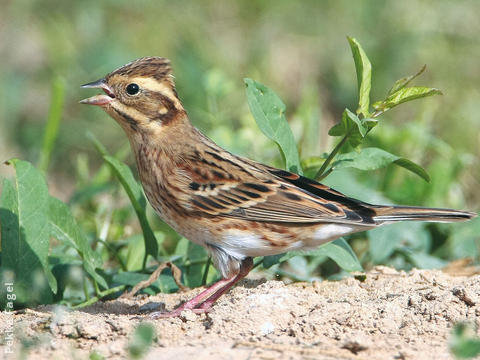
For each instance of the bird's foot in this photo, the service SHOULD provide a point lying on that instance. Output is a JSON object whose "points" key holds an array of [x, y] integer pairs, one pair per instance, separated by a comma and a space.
{"points": [[201, 309]]}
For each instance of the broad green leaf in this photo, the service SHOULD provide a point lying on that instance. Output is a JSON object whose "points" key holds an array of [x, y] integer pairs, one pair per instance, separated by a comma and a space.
{"points": [[194, 261], [25, 229], [53, 122], [403, 95], [463, 242], [425, 261], [64, 227], [197, 258], [269, 113], [384, 240], [135, 194], [136, 250], [464, 342], [415, 168], [338, 250], [350, 126], [363, 68], [375, 158], [401, 83], [269, 261]]}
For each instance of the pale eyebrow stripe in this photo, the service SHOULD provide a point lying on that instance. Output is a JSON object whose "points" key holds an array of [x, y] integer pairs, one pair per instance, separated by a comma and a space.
{"points": [[157, 86]]}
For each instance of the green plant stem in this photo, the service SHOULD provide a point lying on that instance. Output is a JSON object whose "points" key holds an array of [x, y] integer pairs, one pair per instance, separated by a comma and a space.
{"points": [[195, 262], [101, 295], [325, 174], [114, 252], [205, 273], [322, 173], [331, 156], [378, 113], [257, 262], [97, 289], [85, 290]]}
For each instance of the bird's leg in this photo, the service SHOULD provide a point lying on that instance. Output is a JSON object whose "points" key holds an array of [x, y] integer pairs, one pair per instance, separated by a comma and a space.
{"points": [[246, 266], [204, 301]]}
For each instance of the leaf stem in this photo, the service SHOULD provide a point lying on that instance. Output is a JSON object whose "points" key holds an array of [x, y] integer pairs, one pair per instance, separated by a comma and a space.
{"points": [[330, 157], [114, 252], [257, 262], [100, 295], [378, 113], [322, 173], [205, 273], [85, 289], [325, 174]]}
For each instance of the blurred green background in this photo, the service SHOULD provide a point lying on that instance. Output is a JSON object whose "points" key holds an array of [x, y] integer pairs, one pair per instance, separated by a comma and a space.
{"points": [[298, 48]]}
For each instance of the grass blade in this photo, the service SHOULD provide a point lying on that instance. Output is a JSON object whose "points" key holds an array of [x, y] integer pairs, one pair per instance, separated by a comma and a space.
{"points": [[135, 194], [53, 123]]}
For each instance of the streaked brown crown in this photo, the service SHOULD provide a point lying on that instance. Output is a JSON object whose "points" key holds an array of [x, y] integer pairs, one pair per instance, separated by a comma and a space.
{"points": [[155, 67]]}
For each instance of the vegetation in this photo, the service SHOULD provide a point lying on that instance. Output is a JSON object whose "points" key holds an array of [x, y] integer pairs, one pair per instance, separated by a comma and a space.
{"points": [[89, 234]]}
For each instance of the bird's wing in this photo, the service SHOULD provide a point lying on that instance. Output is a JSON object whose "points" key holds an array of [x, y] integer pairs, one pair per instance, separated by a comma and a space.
{"points": [[225, 185]]}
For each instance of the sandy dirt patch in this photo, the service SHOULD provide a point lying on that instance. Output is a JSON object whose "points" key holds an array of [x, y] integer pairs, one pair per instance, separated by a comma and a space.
{"points": [[389, 315]]}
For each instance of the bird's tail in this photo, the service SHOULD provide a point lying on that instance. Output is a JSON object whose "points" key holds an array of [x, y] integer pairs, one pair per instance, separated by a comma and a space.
{"points": [[387, 214]]}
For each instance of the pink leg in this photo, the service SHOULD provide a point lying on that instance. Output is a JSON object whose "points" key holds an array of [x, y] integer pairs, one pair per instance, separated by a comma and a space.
{"points": [[207, 304], [204, 301]]}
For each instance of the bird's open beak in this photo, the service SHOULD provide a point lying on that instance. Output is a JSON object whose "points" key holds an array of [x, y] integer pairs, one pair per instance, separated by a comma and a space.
{"points": [[99, 99]]}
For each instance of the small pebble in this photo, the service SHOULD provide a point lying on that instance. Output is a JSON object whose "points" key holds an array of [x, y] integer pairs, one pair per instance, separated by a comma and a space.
{"points": [[267, 328]]}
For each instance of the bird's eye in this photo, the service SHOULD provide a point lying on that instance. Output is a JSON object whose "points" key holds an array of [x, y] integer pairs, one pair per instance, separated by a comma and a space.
{"points": [[132, 89]]}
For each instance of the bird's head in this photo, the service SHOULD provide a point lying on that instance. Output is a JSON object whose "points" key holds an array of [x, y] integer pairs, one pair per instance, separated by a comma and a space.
{"points": [[140, 96]]}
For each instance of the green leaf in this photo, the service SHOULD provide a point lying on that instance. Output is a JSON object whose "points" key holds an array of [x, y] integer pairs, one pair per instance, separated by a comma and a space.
{"points": [[194, 262], [384, 240], [269, 113], [338, 250], [141, 340], [53, 122], [350, 126], [375, 158], [403, 95], [269, 261], [64, 227], [135, 194], [463, 242], [197, 257], [401, 83], [98, 145], [363, 68], [425, 261], [415, 168], [464, 343], [25, 229]]}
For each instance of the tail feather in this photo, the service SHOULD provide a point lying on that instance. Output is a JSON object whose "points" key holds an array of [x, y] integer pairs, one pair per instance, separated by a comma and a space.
{"points": [[386, 214]]}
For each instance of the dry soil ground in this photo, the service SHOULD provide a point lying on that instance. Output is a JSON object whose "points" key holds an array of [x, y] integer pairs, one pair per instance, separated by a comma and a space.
{"points": [[390, 315]]}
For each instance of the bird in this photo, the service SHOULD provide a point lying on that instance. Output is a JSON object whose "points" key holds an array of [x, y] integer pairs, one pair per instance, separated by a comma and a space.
{"points": [[235, 207]]}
